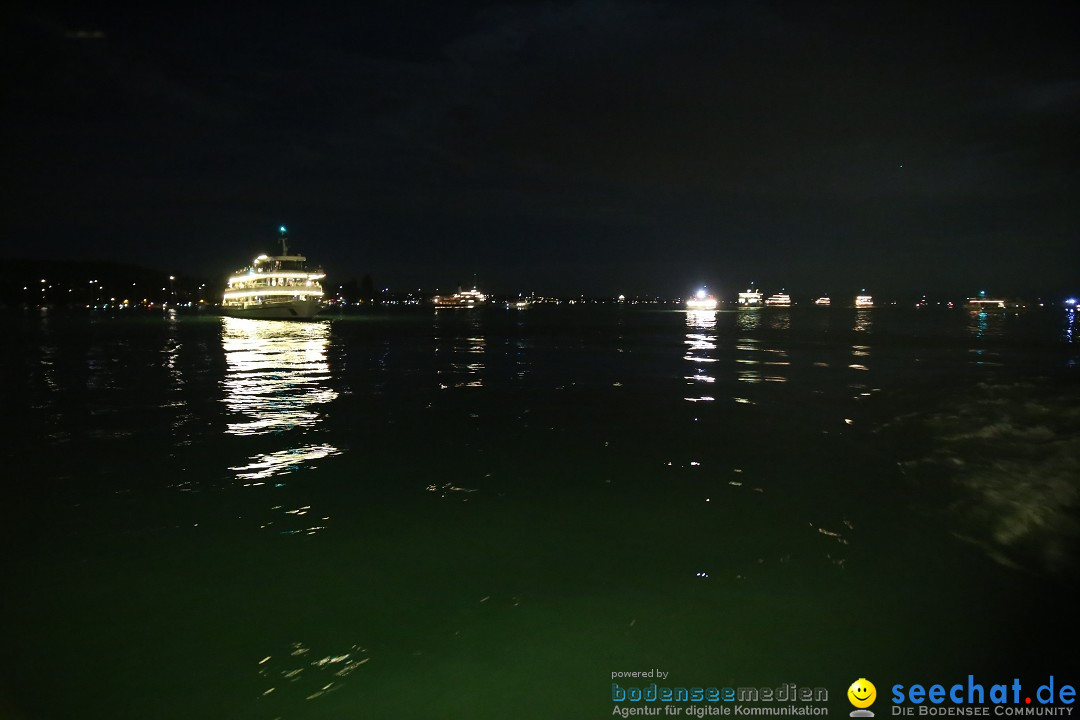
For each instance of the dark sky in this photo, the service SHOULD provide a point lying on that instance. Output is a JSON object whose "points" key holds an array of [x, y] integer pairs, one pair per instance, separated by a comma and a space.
{"points": [[593, 146]]}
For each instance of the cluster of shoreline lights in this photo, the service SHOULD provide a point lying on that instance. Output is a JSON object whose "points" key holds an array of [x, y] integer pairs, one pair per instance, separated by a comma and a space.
{"points": [[703, 300]]}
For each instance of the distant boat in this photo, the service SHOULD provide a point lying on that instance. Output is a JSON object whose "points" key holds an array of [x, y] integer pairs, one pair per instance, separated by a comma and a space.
{"points": [[779, 300], [461, 299], [702, 301], [519, 304], [824, 300], [864, 301], [750, 298], [984, 303], [275, 287]]}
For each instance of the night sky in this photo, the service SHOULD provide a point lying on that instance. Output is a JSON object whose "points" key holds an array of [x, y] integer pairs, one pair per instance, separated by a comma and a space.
{"points": [[593, 146]]}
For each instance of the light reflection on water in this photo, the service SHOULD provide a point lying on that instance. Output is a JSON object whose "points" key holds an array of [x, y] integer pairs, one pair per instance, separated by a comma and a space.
{"points": [[701, 346], [979, 323], [760, 362], [276, 374], [294, 671], [460, 346], [277, 379], [984, 325], [778, 319], [170, 352], [522, 363], [267, 465], [47, 367], [864, 320], [749, 318], [860, 355]]}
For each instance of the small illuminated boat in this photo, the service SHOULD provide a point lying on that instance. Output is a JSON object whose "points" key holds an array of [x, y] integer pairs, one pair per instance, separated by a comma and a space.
{"points": [[824, 300], [864, 301]]}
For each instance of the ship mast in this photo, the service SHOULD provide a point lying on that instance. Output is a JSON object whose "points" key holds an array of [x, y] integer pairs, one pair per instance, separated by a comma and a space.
{"points": [[284, 238]]}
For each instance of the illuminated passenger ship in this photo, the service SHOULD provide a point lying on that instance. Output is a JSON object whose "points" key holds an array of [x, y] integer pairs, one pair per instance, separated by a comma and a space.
{"points": [[780, 299], [275, 287], [750, 298]]}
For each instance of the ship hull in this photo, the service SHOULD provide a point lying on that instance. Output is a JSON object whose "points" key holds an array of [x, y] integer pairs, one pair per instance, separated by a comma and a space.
{"points": [[294, 310]]}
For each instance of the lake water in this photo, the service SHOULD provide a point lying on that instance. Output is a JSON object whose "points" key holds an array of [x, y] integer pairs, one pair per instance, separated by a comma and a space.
{"points": [[484, 514]]}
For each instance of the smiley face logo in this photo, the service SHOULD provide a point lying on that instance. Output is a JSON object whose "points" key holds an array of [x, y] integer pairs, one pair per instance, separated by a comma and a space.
{"points": [[862, 693]]}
